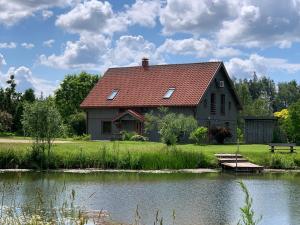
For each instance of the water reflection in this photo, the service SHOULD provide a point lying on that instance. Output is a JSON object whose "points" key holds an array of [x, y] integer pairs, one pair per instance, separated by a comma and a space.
{"points": [[208, 199]]}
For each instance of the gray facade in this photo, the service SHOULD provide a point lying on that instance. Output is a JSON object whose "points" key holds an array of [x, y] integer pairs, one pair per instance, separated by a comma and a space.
{"points": [[225, 113], [259, 130]]}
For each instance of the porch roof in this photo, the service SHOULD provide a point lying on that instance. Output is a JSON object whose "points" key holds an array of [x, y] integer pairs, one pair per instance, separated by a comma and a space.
{"points": [[133, 113]]}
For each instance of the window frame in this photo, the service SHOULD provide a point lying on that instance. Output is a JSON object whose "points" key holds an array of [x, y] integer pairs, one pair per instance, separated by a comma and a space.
{"points": [[113, 94], [169, 93]]}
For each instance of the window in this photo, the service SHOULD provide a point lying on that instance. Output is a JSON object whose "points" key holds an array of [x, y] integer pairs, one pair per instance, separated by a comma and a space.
{"points": [[112, 94], [223, 104], [213, 104], [229, 106], [106, 127], [169, 93]]}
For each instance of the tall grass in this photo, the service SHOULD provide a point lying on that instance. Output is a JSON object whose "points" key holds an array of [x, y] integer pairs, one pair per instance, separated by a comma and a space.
{"points": [[112, 156]]}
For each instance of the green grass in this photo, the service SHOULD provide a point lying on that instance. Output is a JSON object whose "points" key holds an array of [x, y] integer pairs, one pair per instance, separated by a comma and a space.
{"points": [[138, 155]]}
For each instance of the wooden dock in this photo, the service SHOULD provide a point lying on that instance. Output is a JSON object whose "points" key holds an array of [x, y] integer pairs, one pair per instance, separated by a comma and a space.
{"points": [[236, 163]]}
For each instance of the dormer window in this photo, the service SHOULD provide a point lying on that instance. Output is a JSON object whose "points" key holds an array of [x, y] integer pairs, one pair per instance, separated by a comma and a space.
{"points": [[169, 93], [113, 94]]}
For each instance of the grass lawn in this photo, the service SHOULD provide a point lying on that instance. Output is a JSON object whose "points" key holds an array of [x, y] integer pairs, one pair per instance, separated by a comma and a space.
{"points": [[137, 155]]}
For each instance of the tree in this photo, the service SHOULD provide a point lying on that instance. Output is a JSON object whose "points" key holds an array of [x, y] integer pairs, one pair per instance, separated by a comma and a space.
{"points": [[5, 121], [288, 93], [172, 127], [42, 121], [294, 121], [28, 95], [72, 92]]}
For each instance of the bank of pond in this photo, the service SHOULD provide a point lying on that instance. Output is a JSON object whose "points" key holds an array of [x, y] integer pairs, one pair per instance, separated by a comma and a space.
{"points": [[136, 155]]}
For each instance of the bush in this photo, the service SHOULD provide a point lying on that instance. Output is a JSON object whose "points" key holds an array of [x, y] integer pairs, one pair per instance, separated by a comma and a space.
{"points": [[77, 123], [199, 136], [84, 137], [6, 121], [138, 137], [220, 134], [126, 136]]}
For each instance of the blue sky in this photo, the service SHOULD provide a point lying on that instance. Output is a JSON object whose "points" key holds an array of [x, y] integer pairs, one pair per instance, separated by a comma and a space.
{"points": [[41, 41]]}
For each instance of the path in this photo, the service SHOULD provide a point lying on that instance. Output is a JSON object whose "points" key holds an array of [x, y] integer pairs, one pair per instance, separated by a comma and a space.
{"points": [[26, 141]]}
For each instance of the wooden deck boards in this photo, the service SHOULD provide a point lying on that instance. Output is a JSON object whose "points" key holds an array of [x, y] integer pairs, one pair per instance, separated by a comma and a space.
{"points": [[237, 163]]}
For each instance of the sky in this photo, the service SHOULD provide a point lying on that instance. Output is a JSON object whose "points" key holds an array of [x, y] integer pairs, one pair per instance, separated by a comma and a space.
{"points": [[41, 41]]}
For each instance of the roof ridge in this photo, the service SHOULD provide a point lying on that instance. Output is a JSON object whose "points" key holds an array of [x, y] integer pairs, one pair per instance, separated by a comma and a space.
{"points": [[162, 65]]}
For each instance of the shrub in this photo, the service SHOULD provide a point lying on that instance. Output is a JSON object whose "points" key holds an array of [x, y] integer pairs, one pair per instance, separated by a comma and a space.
{"points": [[220, 134], [199, 136], [126, 136], [6, 121], [77, 123], [138, 137], [84, 137]]}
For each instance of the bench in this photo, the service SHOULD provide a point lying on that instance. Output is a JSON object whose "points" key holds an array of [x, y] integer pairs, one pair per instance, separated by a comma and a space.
{"points": [[282, 146]]}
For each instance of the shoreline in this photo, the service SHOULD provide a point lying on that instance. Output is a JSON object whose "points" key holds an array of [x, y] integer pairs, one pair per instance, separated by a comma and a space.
{"points": [[164, 171]]}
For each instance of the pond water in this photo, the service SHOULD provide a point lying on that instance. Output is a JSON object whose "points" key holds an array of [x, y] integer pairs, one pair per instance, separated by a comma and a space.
{"points": [[202, 199]]}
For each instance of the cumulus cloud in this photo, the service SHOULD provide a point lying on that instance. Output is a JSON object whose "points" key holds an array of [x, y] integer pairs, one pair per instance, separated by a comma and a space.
{"points": [[91, 16], [196, 17], [243, 68], [8, 45], [27, 45], [13, 11], [200, 48], [86, 53], [49, 43], [98, 53]]}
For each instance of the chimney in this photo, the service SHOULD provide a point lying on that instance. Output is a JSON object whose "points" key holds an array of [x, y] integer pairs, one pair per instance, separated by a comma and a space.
{"points": [[145, 63]]}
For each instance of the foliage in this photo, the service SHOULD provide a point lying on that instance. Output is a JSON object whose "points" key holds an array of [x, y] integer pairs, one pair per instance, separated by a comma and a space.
{"points": [[84, 137], [77, 123], [220, 134], [293, 122], [42, 121], [199, 136], [138, 137], [247, 213], [126, 136], [5, 121], [172, 127], [72, 91], [240, 135]]}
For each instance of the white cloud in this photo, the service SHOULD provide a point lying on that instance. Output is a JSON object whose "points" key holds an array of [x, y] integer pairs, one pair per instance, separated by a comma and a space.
{"points": [[129, 51], [25, 79], [47, 14], [8, 45], [91, 16], [97, 53], [243, 68], [13, 11], [143, 12], [196, 17], [49, 43], [27, 45], [200, 48], [86, 53]]}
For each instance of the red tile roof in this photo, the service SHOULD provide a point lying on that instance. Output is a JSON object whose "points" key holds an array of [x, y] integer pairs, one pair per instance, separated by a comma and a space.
{"points": [[139, 87]]}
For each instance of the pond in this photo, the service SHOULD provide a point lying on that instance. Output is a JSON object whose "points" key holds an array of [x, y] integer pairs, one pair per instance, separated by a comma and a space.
{"points": [[202, 199]]}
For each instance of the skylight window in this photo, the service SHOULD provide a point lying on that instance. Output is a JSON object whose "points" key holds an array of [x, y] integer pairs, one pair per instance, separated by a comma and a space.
{"points": [[169, 93], [113, 94]]}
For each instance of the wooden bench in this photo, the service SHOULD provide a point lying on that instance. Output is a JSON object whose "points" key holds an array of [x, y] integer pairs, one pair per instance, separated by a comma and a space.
{"points": [[282, 146]]}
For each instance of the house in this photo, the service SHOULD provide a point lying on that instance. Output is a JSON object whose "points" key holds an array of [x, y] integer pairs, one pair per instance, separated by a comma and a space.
{"points": [[122, 97]]}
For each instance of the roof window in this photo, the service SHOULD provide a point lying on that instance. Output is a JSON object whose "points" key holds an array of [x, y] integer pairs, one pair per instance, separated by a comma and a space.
{"points": [[169, 93], [113, 94]]}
